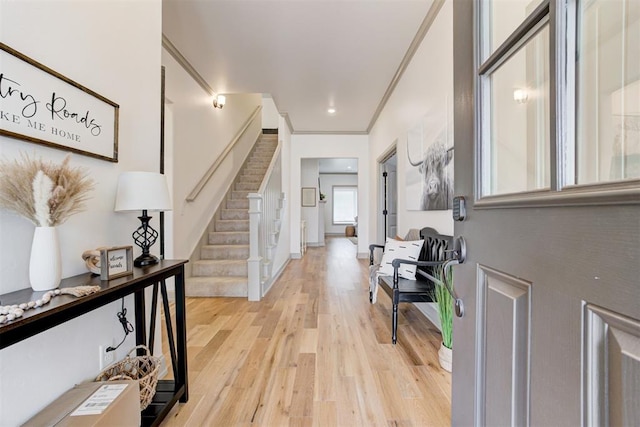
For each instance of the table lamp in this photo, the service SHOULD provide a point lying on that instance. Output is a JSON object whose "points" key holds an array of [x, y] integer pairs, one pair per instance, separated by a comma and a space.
{"points": [[143, 191]]}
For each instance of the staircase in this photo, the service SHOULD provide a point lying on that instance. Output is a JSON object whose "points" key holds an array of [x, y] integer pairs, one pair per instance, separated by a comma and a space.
{"points": [[222, 268]]}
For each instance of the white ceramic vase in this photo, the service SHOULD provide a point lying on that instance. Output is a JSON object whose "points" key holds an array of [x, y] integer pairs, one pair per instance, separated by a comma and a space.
{"points": [[445, 356], [45, 270]]}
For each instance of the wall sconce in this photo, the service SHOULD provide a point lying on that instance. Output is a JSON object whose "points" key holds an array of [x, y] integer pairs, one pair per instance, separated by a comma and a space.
{"points": [[219, 101], [520, 96]]}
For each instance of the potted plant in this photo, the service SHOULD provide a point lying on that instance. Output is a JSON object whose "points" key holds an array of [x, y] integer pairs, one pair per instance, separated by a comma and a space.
{"points": [[444, 300]]}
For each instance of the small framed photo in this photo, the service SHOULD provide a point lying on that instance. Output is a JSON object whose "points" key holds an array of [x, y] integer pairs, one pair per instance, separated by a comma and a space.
{"points": [[116, 262], [308, 196]]}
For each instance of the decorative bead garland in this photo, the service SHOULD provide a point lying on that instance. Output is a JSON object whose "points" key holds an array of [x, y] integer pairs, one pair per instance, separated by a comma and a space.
{"points": [[9, 313], [12, 312]]}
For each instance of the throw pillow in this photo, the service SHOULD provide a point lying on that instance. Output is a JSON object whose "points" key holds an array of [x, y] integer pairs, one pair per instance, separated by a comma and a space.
{"points": [[403, 250]]}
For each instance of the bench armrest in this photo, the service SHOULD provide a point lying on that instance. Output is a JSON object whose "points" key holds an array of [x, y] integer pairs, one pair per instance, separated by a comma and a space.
{"points": [[372, 248], [396, 264]]}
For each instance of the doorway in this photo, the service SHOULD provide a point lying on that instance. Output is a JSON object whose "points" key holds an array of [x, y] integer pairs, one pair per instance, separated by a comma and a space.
{"points": [[388, 196]]}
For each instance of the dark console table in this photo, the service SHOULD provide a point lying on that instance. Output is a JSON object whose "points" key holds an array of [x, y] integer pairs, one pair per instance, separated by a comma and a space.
{"points": [[65, 307]]}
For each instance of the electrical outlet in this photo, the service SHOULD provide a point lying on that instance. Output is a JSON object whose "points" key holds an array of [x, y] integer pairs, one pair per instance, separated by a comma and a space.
{"points": [[106, 357]]}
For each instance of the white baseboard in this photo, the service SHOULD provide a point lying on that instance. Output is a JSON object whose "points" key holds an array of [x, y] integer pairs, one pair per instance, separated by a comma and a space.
{"points": [[295, 255], [430, 311]]}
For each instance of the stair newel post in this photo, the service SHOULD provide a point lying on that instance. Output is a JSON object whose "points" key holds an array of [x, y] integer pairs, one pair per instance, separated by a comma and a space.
{"points": [[255, 260]]}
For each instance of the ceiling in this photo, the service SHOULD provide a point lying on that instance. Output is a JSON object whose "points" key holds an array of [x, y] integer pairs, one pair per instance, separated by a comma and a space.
{"points": [[308, 54]]}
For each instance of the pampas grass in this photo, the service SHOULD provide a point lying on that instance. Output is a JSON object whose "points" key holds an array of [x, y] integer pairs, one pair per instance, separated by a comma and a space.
{"points": [[45, 193]]}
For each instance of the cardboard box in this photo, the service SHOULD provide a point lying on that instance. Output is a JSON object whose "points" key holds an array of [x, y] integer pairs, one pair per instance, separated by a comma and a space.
{"points": [[109, 403]]}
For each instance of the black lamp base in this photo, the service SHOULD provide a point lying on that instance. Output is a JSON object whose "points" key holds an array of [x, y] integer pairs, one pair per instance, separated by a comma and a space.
{"points": [[145, 236], [145, 259]]}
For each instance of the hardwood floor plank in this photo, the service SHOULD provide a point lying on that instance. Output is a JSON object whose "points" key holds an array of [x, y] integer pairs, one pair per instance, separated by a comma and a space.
{"points": [[325, 414], [208, 351], [302, 399], [278, 402], [309, 342], [313, 352]]}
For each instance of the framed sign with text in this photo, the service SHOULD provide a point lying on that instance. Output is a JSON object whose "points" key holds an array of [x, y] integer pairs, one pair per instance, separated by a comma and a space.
{"points": [[116, 262], [42, 106]]}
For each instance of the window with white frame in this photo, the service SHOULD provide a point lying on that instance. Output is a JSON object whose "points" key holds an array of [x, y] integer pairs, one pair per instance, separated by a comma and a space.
{"points": [[345, 204]]}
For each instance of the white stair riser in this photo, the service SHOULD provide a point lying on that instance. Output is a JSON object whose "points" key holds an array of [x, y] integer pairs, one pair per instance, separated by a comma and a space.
{"points": [[239, 238], [238, 204], [247, 186], [255, 171], [232, 225], [236, 252], [239, 195], [251, 178], [220, 268], [234, 214], [216, 288]]}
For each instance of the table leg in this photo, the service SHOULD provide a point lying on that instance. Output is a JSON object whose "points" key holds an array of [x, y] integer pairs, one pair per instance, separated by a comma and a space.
{"points": [[181, 334], [141, 324]]}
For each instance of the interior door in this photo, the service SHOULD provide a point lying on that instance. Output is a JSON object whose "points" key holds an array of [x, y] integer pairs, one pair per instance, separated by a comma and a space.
{"points": [[547, 155], [392, 196], [389, 196]]}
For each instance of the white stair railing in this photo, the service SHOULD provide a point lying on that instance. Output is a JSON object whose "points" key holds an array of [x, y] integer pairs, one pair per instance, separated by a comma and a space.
{"points": [[265, 220]]}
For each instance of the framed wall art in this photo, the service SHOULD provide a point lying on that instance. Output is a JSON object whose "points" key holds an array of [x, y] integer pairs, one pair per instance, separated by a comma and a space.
{"points": [[429, 175], [39, 105], [308, 196]]}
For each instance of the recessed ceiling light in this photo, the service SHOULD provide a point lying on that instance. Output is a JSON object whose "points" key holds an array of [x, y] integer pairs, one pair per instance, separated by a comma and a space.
{"points": [[331, 110]]}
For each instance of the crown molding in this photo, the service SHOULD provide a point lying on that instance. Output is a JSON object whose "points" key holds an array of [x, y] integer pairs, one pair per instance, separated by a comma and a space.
{"points": [[186, 65], [413, 47]]}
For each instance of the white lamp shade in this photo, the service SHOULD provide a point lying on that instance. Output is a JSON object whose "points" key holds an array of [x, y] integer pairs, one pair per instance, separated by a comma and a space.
{"points": [[142, 191]]}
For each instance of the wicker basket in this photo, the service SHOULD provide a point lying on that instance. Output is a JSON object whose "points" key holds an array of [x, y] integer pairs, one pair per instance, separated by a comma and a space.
{"points": [[144, 369]]}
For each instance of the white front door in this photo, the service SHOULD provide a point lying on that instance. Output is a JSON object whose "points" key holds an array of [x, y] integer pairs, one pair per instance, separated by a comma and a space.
{"points": [[547, 155]]}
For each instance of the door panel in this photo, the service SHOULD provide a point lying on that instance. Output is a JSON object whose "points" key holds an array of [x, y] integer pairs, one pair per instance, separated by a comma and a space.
{"points": [[504, 316], [612, 368]]}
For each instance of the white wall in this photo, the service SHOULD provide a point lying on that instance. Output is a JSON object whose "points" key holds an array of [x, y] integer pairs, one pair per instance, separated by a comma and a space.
{"points": [[270, 114], [200, 135], [112, 48], [327, 182], [329, 146], [427, 81], [309, 179]]}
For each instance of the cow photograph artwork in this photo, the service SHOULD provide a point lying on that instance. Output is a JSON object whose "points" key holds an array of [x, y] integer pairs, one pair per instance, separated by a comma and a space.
{"points": [[429, 178]]}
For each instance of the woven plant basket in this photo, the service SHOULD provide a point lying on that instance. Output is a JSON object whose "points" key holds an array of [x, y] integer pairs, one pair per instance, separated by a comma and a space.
{"points": [[144, 369]]}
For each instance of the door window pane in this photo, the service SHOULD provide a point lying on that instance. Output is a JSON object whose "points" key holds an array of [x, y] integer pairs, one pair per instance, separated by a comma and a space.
{"points": [[608, 95], [516, 158], [504, 17], [345, 205]]}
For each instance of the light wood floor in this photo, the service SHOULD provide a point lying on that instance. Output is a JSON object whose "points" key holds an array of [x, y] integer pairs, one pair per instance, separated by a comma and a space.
{"points": [[313, 352]]}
